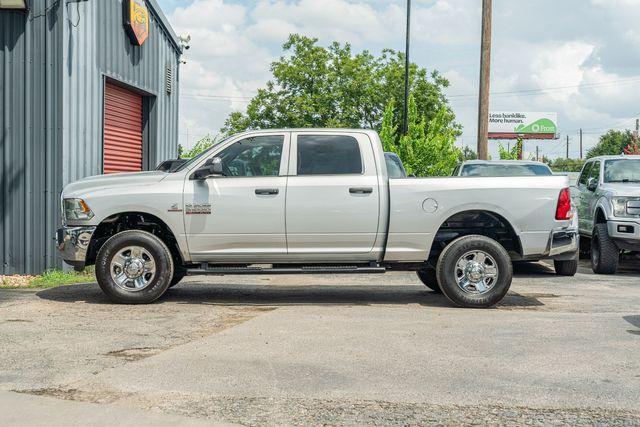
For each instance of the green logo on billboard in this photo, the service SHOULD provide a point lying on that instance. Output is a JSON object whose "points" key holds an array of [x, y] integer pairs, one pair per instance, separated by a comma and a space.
{"points": [[540, 126]]}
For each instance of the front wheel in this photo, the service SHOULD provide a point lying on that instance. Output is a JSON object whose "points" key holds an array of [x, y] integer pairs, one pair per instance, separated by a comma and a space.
{"points": [[605, 254], [134, 267], [474, 272]]}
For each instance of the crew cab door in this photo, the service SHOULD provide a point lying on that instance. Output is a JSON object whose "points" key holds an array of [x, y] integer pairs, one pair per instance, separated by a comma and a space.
{"points": [[241, 214], [332, 207], [588, 198]]}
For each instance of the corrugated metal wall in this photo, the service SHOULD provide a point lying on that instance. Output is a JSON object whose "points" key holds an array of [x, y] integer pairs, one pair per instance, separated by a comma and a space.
{"points": [[97, 47], [30, 137], [52, 71]]}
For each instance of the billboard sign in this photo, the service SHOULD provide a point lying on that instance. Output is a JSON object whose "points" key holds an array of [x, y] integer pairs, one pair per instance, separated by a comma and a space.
{"points": [[514, 125]]}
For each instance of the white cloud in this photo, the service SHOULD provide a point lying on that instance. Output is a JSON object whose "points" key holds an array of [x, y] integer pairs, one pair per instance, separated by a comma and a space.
{"points": [[588, 47]]}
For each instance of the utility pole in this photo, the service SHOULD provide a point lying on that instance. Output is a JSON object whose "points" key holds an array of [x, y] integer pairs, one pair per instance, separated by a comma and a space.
{"points": [[637, 131], [485, 81], [407, 65], [567, 146], [537, 153], [580, 143]]}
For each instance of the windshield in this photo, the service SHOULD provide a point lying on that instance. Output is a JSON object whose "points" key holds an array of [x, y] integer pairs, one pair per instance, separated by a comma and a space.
{"points": [[489, 170], [622, 170], [195, 159]]}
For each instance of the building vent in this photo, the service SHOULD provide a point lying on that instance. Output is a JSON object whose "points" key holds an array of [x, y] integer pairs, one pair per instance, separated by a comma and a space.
{"points": [[168, 79]]}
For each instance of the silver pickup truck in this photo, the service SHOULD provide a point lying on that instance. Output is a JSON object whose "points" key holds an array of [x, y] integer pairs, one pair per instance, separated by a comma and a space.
{"points": [[312, 201], [608, 199]]}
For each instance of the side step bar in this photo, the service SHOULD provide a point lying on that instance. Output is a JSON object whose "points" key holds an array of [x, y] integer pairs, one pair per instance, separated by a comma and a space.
{"points": [[297, 269]]}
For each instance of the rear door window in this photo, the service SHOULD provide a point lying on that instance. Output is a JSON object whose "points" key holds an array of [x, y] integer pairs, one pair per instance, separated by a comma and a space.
{"points": [[328, 155]]}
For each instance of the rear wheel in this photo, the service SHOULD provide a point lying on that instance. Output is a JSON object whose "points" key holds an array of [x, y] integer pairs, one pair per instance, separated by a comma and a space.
{"points": [[430, 278], [605, 254], [566, 268], [474, 271], [134, 267]]}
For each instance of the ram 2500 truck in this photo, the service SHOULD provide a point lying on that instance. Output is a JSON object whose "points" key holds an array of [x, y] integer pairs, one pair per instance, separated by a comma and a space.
{"points": [[312, 201]]}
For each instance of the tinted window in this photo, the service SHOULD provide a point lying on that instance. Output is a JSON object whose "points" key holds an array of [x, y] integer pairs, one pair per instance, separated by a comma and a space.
{"points": [[255, 156], [584, 177], [622, 170], [489, 170], [328, 155]]}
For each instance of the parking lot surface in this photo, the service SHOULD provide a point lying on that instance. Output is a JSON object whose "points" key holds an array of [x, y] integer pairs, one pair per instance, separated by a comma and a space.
{"points": [[378, 349]]}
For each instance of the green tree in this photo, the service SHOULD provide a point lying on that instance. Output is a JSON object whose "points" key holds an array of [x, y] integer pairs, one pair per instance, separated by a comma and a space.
{"points": [[467, 154], [202, 145], [316, 86], [428, 148], [508, 154], [566, 165], [612, 143]]}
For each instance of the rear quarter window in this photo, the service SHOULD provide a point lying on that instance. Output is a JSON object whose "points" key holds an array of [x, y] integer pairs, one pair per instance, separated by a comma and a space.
{"points": [[328, 155]]}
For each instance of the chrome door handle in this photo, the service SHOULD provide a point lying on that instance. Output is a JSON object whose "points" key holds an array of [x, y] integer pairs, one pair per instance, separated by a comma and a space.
{"points": [[361, 190], [267, 191]]}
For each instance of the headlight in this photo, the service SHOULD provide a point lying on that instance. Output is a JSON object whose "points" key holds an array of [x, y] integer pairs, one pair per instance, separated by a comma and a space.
{"points": [[621, 204], [76, 209]]}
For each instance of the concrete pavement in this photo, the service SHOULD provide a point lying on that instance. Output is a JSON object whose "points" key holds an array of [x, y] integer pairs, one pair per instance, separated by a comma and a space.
{"points": [[336, 350]]}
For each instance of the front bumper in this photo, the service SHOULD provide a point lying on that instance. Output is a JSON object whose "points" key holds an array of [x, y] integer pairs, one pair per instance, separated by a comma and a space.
{"points": [[621, 229], [73, 244], [626, 233]]}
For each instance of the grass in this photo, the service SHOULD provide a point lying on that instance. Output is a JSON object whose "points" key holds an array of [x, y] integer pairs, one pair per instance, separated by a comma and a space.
{"points": [[48, 279]]}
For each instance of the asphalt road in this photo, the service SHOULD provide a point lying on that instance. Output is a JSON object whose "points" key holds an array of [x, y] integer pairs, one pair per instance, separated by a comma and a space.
{"points": [[326, 350]]}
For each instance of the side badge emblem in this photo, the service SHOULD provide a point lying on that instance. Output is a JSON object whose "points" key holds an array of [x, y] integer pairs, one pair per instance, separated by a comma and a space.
{"points": [[174, 208]]}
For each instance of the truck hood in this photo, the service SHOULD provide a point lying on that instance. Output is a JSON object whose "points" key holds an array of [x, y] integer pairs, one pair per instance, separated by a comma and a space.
{"points": [[630, 189], [102, 182]]}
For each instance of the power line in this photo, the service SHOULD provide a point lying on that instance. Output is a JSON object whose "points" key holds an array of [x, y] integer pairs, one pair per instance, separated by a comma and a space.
{"points": [[556, 88]]}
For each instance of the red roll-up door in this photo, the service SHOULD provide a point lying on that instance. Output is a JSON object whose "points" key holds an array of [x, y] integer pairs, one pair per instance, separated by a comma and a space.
{"points": [[122, 130]]}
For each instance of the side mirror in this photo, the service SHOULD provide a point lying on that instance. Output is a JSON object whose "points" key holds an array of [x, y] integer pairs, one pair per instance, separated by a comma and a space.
{"points": [[592, 184], [212, 167]]}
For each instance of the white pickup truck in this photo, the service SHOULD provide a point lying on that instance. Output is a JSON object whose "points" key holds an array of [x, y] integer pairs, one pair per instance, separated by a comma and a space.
{"points": [[312, 201]]}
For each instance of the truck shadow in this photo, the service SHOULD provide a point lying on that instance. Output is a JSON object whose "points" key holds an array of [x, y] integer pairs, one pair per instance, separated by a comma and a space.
{"points": [[208, 293], [629, 266]]}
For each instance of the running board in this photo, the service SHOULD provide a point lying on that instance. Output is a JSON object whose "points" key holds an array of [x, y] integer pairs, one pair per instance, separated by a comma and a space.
{"points": [[304, 269]]}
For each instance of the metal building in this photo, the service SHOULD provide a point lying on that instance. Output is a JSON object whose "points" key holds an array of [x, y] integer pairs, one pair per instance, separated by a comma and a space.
{"points": [[86, 87]]}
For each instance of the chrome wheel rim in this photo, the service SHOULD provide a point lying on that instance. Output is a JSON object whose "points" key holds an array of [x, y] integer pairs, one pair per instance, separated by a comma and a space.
{"points": [[133, 268], [476, 272]]}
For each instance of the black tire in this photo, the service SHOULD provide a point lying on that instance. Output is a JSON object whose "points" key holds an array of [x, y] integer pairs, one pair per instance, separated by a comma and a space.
{"points": [[566, 268], [178, 275], [430, 278], [605, 254], [162, 258], [446, 271]]}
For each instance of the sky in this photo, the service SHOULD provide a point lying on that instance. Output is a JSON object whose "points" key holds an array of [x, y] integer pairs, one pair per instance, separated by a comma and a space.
{"points": [[579, 58]]}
